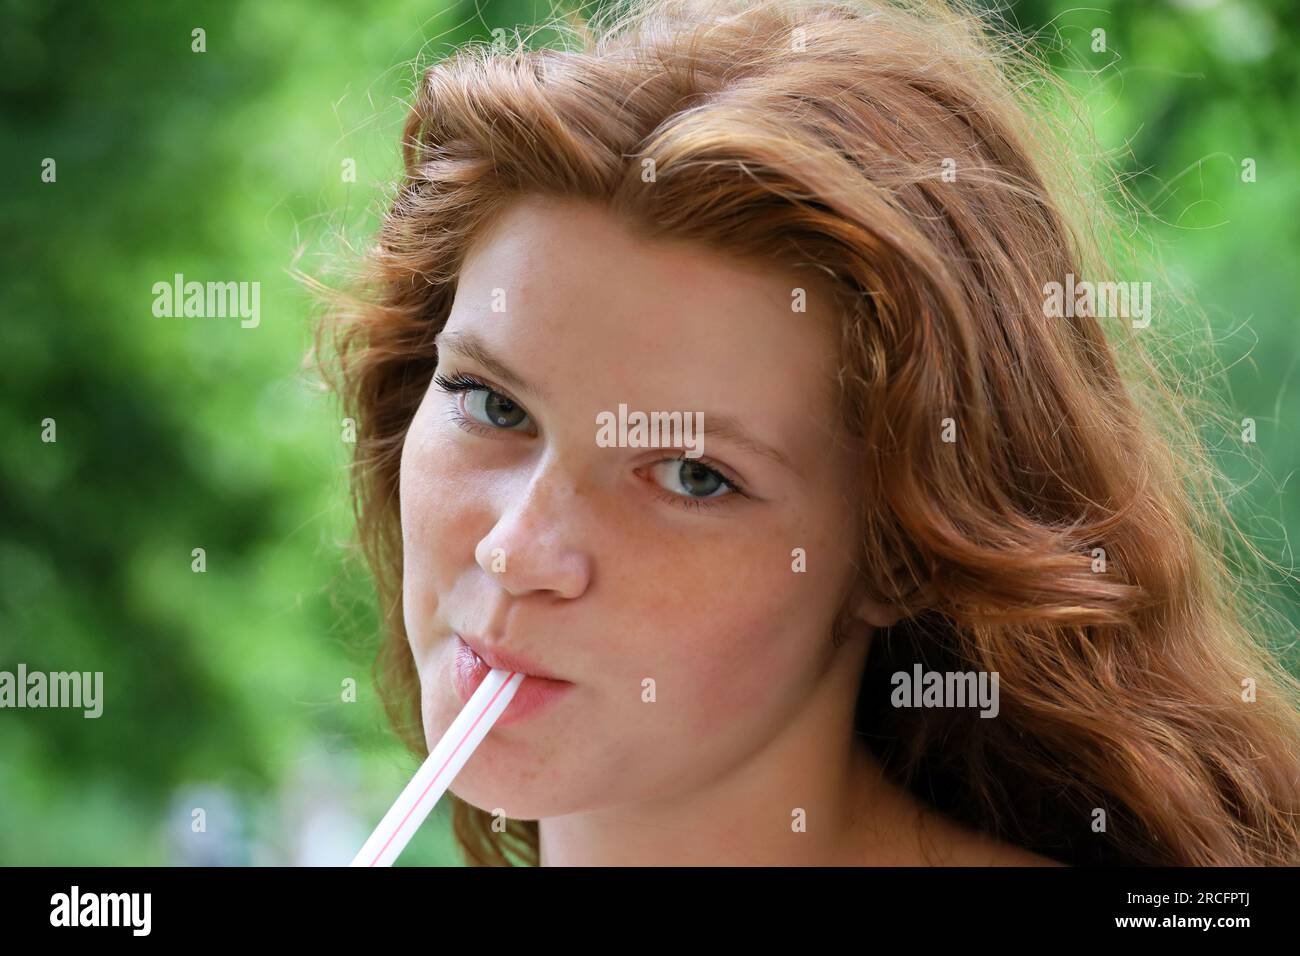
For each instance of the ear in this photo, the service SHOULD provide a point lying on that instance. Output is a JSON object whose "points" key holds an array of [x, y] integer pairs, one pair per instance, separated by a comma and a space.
{"points": [[876, 614]]}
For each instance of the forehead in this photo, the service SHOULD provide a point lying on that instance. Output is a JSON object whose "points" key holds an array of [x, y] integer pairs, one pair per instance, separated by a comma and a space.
{"points": [[546, 246], [571, 269]]}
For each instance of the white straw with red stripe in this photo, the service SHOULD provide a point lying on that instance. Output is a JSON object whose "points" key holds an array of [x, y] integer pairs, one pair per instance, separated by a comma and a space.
{"points": [[439, 769]]}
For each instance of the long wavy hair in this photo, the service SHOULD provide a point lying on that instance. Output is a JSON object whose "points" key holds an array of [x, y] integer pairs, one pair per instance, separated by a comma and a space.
{"points": [[1074, 537]]}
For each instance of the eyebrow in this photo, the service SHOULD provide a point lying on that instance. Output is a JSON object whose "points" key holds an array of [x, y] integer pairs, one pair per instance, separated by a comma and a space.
{"points": [[469, 345], [729, 429], [725, 427]]}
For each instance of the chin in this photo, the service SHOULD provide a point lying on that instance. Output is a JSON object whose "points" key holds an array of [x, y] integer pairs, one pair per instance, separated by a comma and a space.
{"points": [[516, 802]]}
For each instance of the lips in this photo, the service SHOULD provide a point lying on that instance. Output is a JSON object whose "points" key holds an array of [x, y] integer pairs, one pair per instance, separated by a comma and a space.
{"points": [[501, 660], [535, 694]]}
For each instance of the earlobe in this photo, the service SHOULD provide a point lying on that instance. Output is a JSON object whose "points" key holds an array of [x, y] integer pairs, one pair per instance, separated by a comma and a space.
{"points": [[876, 614]]}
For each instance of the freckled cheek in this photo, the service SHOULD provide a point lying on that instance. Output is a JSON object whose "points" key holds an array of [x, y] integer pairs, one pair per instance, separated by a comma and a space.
{"points": [[760, 657], [724, 636], [437, 513]]}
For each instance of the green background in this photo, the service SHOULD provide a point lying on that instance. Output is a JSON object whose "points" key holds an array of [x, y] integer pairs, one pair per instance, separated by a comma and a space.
{"points": [[223, 690]]}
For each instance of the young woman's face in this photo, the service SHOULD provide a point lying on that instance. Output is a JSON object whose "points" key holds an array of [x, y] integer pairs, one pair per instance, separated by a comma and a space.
{"points": [[674, 603]]}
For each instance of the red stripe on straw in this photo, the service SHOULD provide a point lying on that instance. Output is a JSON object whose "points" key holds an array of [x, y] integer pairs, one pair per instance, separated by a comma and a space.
{"points": [[434, 780]]}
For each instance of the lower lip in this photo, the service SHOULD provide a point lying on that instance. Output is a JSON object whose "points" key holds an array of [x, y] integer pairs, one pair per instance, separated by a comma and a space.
{"points": [[535, 694]]}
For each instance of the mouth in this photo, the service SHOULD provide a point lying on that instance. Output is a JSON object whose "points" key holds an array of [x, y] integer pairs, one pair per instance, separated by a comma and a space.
{"points": [[502, 660], [538, 691]]}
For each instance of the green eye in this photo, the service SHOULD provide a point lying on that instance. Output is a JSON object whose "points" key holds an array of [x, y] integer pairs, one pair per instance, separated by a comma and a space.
{"points": [[693, 484], [685, 476], [493, 408], [485, 405]]}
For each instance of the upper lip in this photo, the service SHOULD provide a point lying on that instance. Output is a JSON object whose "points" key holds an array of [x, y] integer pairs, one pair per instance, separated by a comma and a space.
{"points": [[503, 660]]}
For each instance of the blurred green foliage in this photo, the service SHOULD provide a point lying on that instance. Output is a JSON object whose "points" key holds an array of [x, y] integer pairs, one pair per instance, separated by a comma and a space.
{"points": [[223, 689]]}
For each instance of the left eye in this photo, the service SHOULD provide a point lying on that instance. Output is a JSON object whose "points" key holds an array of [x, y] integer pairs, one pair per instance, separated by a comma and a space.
{"points": [[691, 479], [493, 408], [485, 405]]}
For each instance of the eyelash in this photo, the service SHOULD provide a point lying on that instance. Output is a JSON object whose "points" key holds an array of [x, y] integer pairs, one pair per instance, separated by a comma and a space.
{"points": [[460, 382]]}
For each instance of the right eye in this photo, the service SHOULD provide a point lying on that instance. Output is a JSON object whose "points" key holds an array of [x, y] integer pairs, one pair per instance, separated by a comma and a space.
{"points": [[485, 405]]}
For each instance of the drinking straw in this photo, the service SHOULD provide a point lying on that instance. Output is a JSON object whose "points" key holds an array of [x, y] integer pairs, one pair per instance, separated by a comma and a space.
{"points": [[439, 769]]}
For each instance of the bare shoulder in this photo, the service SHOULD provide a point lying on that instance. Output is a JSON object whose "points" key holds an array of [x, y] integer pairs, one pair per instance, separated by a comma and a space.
{"points": [[968, 847], [908, 831], [1007, 854], [943, 841]]}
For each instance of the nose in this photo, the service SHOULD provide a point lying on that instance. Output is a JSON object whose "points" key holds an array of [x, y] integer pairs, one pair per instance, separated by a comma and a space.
{"points": [[537, 541]]}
